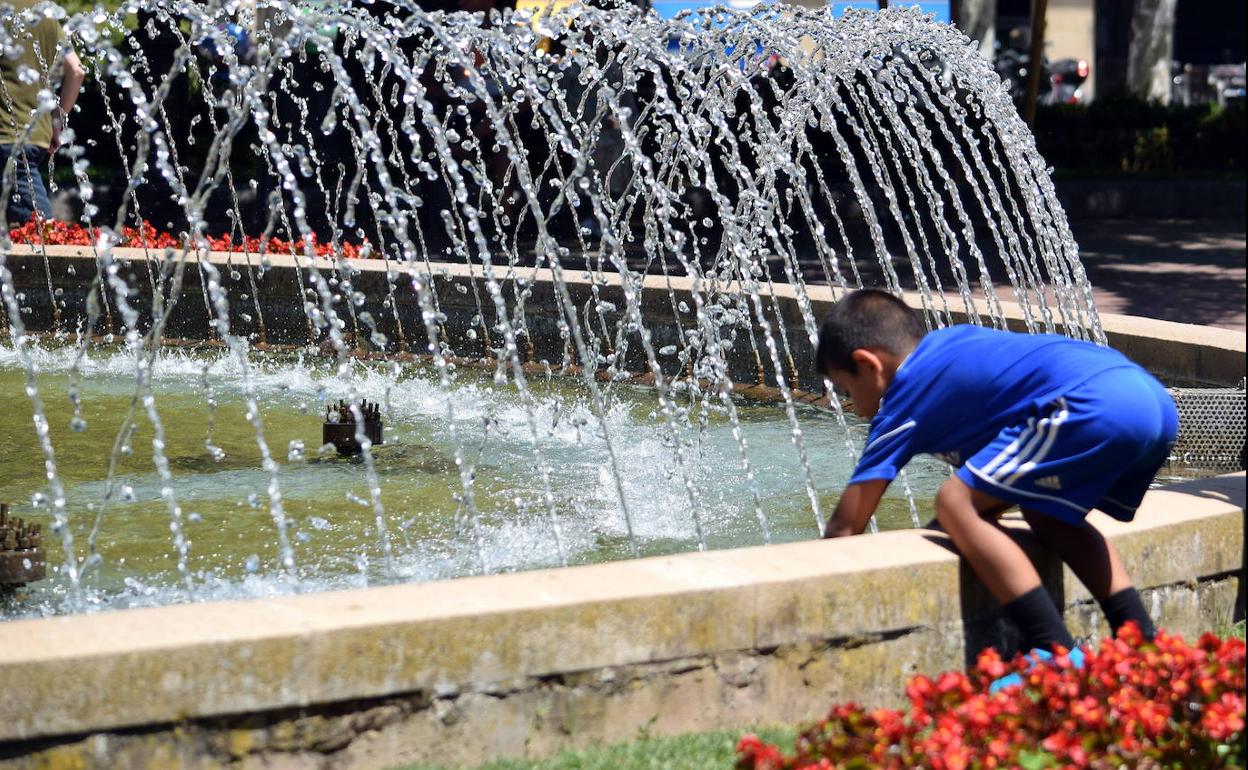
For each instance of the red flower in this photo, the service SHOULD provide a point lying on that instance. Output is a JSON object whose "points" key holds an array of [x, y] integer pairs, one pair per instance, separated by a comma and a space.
{"points": [[50, 232], [1164, 703]]}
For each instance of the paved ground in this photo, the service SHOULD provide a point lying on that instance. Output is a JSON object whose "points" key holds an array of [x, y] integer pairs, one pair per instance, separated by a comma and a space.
{"points": [[1191, 271], [1185, 270]]}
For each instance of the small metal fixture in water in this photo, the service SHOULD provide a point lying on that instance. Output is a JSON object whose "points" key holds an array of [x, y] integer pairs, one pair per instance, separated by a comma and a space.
{"points": [[340, 426], [21, 551]]}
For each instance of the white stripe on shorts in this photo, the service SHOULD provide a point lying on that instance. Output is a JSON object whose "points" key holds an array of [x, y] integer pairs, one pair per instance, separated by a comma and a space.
{"points": [[1037, 438], [1006, 453], [1036, 448], [1025, 493], [1043, 452]]}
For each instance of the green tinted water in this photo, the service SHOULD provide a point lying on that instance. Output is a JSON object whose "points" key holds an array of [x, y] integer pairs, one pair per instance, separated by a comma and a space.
{"points": [[233, 540]]}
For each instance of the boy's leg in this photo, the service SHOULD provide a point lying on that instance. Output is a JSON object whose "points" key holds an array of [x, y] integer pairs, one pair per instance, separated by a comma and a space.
{"points": [[1087, 552], [969, 517], [1097, 564]]}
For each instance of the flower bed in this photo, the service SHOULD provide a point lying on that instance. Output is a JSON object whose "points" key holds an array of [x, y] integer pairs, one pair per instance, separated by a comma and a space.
{"points": [[51, 232], [1160, 704]]}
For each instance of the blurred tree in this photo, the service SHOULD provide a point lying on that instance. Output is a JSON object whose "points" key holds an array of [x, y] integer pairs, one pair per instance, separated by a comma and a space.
{"points": [[1150, 51], [978, 19]]}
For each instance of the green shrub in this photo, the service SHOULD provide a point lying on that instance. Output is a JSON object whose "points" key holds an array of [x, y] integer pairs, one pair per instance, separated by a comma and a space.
{"points": [[1116, 135], [1151, 152]]}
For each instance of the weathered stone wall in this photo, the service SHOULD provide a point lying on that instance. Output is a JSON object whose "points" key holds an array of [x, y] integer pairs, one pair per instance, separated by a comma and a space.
{"points": [[513, 665]]}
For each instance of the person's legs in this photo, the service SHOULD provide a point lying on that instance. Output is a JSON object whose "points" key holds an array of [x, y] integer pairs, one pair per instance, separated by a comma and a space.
{"points": [[1087, 552], [27, 193], [969, 516], [36, 160], [17, 204], [1096, 563]]}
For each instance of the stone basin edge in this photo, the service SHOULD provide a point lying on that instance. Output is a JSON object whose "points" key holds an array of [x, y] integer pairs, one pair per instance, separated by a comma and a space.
{"points": [[1189, 352], [84, 674]]}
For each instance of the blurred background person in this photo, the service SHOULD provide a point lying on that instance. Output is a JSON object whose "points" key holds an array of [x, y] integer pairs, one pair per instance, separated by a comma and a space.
{"points": [[26, 69]]}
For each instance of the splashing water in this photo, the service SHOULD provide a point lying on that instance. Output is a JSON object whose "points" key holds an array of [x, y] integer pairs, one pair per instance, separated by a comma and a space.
{"points": [[591, 194]]}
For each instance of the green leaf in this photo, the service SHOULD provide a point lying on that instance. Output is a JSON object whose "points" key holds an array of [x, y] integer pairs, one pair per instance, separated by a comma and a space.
{"points": [[1035, 760]]}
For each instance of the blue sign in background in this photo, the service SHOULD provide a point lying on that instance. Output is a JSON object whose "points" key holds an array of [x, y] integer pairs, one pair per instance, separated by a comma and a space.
{"points": [[938, 7], [668, 8]]}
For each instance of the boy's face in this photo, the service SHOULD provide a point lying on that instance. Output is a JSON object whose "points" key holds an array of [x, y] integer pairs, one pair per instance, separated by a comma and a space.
{"points": [[865, 387]]}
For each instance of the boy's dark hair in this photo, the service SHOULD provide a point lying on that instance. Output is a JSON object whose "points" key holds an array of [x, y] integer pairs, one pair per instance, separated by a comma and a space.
{"points": [[866, 318]]}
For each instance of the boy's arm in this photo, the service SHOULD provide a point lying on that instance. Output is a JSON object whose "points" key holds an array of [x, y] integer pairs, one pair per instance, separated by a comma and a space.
{"points": [[855, 508]]}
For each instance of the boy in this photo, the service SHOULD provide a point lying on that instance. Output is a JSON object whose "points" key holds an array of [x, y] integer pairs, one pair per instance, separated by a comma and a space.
{"points": [[1053, 425]]}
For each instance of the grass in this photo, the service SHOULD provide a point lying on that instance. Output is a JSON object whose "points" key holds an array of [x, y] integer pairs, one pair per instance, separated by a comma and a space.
{"points": [[1225, 627], [695, 751]]}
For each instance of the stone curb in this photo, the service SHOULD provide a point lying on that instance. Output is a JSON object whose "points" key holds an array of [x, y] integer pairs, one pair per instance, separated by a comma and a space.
{"points": [[1187, 352], [85, 674]]}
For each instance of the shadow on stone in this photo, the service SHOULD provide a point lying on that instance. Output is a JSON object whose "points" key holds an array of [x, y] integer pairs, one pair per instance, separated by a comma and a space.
{"points": [[982, 622]]}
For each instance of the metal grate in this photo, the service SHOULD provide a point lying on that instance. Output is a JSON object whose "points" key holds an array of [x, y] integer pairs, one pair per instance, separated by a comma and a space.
{"points": [[1211, 428]]}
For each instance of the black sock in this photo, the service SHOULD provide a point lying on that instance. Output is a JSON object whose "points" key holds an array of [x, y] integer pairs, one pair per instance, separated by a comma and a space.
{"points": [[1126, 605], [1037, 617]]}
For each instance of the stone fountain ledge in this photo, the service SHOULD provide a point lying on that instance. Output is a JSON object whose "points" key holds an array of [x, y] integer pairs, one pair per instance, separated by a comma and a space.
{"points": [[1186, 352], [524, 664]]}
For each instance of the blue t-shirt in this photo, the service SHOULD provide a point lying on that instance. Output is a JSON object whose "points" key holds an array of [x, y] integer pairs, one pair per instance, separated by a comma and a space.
{"points": [[962, 385]]}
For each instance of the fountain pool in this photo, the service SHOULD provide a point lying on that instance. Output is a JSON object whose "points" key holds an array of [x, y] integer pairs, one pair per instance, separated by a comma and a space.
{"points": [[613, 196], [232, 546]]}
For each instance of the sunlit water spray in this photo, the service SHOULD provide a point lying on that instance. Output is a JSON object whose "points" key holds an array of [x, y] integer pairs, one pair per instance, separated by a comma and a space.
{"points": [[747, 152], [231, 547]]}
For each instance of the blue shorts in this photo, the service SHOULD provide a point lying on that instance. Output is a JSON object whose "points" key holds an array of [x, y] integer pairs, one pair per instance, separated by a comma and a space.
{"points": [[1098, 446]]}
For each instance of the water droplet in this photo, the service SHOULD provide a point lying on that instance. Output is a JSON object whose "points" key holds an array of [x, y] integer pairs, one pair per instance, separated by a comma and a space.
{"points": [[252, 564]]}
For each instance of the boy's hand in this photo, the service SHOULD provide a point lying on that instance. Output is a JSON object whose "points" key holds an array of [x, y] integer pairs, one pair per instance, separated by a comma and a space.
{"points": [[855, 508]]}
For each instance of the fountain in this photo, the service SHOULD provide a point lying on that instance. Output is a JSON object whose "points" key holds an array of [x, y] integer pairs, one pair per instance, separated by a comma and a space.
{"points": [[339, 427], [21, 551], [576, 260], [559, 163]]}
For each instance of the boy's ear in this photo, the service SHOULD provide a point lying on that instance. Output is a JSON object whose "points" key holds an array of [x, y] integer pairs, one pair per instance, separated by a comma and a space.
{"points": [[865, 357]]}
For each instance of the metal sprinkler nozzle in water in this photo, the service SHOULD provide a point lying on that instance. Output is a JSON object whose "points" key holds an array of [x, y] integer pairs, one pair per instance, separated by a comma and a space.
{"points": [[340, 427], [22, 559]]}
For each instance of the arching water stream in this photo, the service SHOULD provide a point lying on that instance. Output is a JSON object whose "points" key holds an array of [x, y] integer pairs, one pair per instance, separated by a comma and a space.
{"points": [[749, 152]]}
